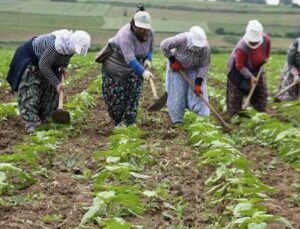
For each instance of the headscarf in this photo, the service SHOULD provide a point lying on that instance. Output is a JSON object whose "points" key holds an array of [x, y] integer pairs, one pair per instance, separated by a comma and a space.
{"points": [[63, 42]]}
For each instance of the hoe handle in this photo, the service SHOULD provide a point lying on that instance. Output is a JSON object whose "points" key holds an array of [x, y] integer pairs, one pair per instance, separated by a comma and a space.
{"points": [[287, 88], [152, 85], [247, 101], [61, 95], [219, 117], [153, 88]]}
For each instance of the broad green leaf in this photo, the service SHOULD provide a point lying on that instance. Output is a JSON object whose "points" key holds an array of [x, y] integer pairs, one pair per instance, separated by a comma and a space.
{"points": [[112, 159], [284, 222], [106, 195], [257, 226], [138, 175], [93, 211], [241, 207]]}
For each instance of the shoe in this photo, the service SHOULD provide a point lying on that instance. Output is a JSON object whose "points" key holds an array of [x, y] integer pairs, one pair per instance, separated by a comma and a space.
{"points": [[177, 124], [120, 125], [31, 126]]}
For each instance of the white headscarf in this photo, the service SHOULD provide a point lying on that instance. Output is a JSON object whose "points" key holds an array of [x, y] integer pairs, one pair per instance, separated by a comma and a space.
{"points": [[63, 42]]}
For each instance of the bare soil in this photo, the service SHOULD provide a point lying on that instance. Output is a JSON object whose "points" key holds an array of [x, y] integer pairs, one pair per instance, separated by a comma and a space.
{"points": [[64, 194], [281, 176]]}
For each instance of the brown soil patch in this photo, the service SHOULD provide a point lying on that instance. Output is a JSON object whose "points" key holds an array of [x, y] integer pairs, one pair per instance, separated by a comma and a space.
{"points": [[63, 194], [12, 130], [280, 176], [6, 96], [176, 167]]}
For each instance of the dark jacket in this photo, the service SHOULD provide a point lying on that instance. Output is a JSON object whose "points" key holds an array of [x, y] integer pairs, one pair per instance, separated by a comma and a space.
{"points": [[24, 56]]}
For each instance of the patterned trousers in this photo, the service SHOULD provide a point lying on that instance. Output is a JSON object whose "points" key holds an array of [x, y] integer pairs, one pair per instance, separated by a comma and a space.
{"points": [[286, 80], [121, 96], [37, 99], [234, 97]]}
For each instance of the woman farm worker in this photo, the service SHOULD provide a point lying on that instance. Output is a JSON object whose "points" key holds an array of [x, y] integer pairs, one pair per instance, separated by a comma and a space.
{"points": [[35, 72], [250, 53], [188, 52], [291, 72], [126, 68]]}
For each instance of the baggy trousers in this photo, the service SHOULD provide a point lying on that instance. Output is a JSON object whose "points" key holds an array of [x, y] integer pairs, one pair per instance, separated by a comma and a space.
{"points": [[181, 96], [121, 95], [286, 80], [37, 98], [234, 97]]}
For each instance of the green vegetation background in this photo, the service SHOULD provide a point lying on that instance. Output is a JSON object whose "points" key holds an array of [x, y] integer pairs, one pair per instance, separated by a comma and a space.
{"points": [[224, 22]]}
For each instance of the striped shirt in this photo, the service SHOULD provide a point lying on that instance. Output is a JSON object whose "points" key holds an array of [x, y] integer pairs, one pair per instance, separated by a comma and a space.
{"points": [[49, 58]]}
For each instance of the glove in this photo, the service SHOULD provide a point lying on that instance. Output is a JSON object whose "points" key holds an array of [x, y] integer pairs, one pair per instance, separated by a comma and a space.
{"points": [[147, 75], [147, 64], [198, 86], [175, 64]]}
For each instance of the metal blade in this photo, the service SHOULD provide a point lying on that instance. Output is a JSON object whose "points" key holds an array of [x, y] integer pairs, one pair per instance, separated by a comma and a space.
{"points": [[61, 116], [160, 103]]}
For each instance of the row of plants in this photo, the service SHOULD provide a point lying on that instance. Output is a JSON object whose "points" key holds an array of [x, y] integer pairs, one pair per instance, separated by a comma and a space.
{"points": [[279, 130], [265, 129], [268, 130], [117, 195], [121, 190], [233, 184], [30, 154]]}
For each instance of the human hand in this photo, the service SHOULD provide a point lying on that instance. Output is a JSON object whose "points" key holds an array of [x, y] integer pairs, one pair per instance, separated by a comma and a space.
{"points": [[253, 80], [175, 64], [198, 86], [147, 75], [147, 64]]}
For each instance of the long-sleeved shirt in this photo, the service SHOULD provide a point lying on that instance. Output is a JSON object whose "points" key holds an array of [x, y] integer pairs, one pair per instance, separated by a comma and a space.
{"points": [[130, 46], [191, 58], [255, 56], [128, 53], [49, 58]]}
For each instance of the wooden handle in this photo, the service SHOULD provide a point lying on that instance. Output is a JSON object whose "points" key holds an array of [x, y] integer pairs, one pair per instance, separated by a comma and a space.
{"points": [[153, 88], [61, 95], [247, 101], [287, 88], [219, 117]]}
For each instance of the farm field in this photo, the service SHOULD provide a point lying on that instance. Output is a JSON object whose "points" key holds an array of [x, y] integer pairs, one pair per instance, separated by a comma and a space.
{"points": [[21, 19], [152, 175]]}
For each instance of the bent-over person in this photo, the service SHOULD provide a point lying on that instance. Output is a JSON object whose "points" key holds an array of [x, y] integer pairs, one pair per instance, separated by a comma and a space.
{"points": [[124, 70], [35, 72], [249, 55], [291, 73], [188, 52]]}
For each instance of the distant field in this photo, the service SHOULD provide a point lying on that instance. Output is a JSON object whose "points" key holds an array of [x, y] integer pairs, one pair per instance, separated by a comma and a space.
{"points": [[21, 19], [203, 5]]}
